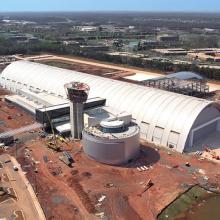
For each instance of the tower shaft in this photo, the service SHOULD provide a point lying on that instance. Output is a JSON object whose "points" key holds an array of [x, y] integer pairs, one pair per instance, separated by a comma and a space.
{"points": [[76, 119], [77, 93]]}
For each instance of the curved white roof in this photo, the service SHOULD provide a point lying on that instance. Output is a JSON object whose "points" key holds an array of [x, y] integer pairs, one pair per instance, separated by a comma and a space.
{"points": [[152, 108]]}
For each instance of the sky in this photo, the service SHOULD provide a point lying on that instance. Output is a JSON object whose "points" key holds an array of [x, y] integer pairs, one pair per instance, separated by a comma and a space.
{"points": [[111, 5]]}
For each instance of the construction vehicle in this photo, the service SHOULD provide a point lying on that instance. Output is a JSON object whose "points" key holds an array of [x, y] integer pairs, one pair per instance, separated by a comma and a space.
{"points": [[147, 186], [65, 160], [52, 128], [15, 168], [53, 146], [61, 139], [68, 156]]}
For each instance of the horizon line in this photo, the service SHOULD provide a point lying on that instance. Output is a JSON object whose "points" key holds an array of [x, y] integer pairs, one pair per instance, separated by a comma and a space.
{"points": [[108, 11]]}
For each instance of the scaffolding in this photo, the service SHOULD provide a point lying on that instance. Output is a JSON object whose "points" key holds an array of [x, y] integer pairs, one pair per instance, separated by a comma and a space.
{"points": [[190, 87]]}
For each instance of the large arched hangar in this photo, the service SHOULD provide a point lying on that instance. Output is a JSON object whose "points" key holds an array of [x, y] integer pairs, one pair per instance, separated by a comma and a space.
{"points": [[165, 118]]}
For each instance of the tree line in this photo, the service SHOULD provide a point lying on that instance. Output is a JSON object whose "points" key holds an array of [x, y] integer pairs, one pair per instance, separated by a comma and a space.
{"points": [[8, 48]]}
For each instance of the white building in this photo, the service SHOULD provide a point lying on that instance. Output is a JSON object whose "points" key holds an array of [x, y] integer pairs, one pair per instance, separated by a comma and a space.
{"points": [[112, 141], [168, 119]]}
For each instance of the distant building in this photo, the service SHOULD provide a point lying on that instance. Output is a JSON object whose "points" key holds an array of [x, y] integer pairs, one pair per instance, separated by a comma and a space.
{"points": [[18, 38], [206, 50], [107, 28], [149, 43], [171, 51], [71, 42], [117, 43], [185, 75], [94, 47], [132, 46], [86, 28], [168, 38], [33, 40], [212, 56], [112, 28], [131, 27], [210, 31]]}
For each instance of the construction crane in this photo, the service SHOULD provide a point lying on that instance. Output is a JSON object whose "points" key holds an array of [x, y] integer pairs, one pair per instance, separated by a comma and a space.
{"points": [[52, 145]]}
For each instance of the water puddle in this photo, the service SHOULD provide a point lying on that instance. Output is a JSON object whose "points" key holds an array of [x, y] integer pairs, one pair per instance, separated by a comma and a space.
{"points": [[195, 204], [207, 209]]}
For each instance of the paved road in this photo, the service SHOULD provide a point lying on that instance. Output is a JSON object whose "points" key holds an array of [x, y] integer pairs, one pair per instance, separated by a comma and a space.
{"points": [[27, 202]]}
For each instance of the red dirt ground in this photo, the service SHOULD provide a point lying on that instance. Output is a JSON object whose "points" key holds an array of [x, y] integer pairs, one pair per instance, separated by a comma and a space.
{"points": [[88, 180], [72, 193], [12, 117]]}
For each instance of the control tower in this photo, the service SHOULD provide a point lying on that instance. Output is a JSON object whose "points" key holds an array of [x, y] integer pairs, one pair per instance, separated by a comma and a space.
{"points": [[77, 93]]}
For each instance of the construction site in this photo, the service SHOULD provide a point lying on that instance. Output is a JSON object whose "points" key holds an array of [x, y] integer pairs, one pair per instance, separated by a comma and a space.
{"points": [[96, 148], [197, 88], [90, 69], [187, 83]]}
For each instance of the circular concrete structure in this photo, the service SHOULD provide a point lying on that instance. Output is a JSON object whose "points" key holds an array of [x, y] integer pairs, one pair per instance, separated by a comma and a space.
{"points": [[112, 148]]}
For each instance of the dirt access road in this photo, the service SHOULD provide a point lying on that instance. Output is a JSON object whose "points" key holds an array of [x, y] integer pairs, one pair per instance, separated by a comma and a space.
{"points": [[26, 201], [92, 62], [213, 86]]}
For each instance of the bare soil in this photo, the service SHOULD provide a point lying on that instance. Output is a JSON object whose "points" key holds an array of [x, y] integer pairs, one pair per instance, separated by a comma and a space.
{"points": [[72, 193]]}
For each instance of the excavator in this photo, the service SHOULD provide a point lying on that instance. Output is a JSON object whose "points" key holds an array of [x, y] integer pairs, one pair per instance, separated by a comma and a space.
{"points": [[147, 186]]}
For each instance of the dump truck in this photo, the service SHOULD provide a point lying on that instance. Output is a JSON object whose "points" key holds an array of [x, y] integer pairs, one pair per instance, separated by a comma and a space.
{"points": [[65, 160], [68, 156]]}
